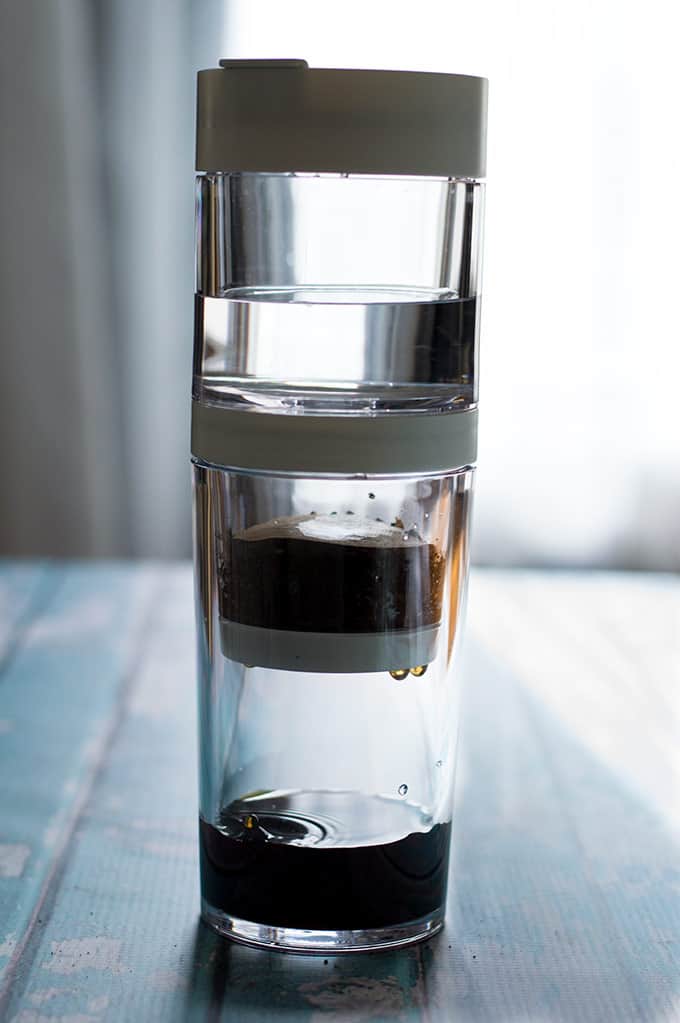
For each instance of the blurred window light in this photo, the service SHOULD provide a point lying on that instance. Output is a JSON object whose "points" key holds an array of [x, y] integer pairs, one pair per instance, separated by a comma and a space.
{"points": [[580, 356]]}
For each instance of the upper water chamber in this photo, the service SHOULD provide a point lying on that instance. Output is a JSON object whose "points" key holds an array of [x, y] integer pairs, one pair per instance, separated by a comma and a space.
{"points": [[337, 294]]}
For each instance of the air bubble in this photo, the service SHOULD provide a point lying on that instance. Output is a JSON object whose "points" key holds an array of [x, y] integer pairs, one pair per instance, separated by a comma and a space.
{"points": [[251, 822], [403, 789], [439, 763], [371, 497], [399, 674]]}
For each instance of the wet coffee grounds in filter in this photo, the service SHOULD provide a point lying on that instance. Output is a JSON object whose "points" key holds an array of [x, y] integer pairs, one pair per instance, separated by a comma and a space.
{"points": [[330, 574]]}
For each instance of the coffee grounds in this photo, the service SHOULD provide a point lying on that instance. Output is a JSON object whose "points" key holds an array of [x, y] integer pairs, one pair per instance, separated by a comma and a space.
{"points": [[330, 574]]}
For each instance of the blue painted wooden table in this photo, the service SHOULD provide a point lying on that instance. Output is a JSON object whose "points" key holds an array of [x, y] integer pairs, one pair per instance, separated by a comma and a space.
{"points": [[565, 892]]}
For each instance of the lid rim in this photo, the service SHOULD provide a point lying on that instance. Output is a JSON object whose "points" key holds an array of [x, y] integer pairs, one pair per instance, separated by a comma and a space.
{"points": [[285, 117]]}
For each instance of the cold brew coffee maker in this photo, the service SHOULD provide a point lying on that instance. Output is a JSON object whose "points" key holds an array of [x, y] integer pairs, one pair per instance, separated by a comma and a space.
{"points": [[339, 227]]}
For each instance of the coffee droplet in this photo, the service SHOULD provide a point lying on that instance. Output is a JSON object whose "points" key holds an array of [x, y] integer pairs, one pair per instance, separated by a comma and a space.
{"points": [[399, 673], [403, 789], [419, 671], [251, 821], [371, 497]]}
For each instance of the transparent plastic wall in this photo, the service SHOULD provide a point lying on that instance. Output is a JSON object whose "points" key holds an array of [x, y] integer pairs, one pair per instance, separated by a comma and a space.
{"points": [[329, 627], [337, 293], [330, 599]]}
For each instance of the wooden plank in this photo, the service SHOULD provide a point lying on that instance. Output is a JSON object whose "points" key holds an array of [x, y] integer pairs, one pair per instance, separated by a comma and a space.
{"points": [[121, 920], [603, 653], [562, 900], [59, 693]]}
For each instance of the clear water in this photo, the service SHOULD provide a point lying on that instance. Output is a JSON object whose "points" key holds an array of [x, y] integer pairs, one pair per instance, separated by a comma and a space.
{"points": [[337, 349]]}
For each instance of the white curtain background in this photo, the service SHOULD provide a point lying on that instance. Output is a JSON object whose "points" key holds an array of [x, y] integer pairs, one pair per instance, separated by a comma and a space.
{"points": [[580, 437], [96, 276]]}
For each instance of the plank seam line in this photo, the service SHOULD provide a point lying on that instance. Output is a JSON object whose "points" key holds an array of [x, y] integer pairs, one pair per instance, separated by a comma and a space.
{"points": [[44, 903], [219, 981], [47, 588]]}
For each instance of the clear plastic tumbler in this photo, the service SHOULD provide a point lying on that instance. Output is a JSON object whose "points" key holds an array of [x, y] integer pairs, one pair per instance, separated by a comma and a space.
{"points": [[339, 218]]}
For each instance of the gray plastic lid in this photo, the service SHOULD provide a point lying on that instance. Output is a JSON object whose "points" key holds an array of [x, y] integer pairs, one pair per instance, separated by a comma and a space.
{"points": [[281, 116]]}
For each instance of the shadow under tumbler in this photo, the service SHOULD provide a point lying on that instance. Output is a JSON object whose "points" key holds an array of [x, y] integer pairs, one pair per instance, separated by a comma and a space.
{"points": [[339, 225]]}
